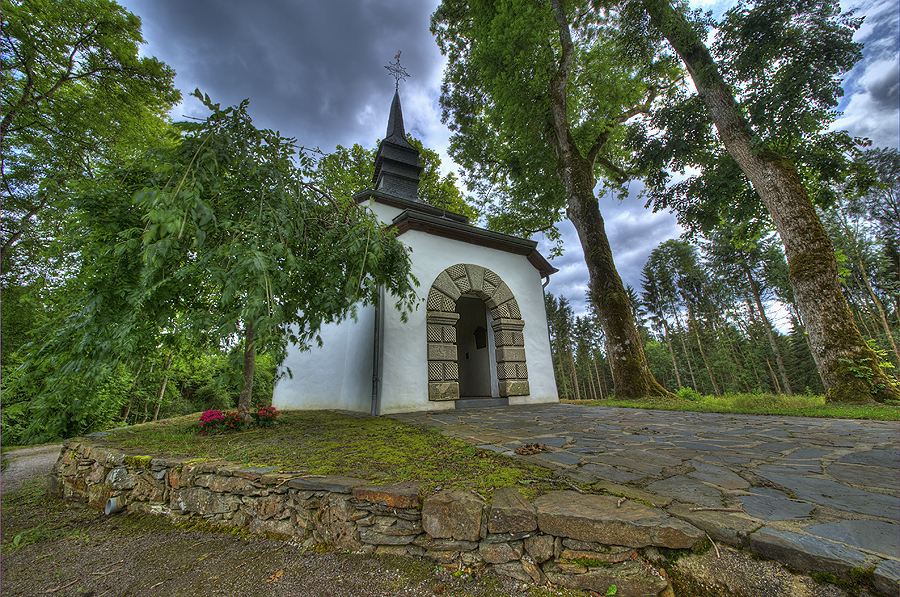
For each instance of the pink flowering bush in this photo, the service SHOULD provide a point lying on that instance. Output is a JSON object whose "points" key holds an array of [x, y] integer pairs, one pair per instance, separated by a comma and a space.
{"points": [[212, 421], [215, 421], [265, 417]]}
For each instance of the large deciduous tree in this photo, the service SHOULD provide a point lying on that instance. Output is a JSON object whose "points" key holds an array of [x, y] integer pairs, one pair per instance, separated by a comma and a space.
{"points": [[537, 95], [770, 90], [75, 94]]}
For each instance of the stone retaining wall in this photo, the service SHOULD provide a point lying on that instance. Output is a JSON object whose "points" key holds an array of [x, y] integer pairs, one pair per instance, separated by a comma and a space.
{"points": [[578, 541]]}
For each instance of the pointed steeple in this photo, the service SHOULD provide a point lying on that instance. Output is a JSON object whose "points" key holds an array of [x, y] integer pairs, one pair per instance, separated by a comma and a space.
{"points": [[397, 166], [395, 131]]}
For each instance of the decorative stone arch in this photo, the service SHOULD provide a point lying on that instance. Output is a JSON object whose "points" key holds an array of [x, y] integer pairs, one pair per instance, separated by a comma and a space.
{"points": [[441, 317]]}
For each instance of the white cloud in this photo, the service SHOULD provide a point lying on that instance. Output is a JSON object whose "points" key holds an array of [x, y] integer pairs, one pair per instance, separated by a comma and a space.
{"points": [[873, 109]]}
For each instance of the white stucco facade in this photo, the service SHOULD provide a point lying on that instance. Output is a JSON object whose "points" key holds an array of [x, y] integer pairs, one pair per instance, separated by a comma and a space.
{"points": [[477, 337], [340, 373], [337, 375]]}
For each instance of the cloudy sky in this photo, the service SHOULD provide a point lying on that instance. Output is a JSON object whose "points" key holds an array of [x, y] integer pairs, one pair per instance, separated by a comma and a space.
{"points": [[314, 70]]}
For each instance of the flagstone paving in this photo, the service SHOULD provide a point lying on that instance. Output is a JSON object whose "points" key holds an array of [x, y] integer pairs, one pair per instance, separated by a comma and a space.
{"points": [[818, 494]]}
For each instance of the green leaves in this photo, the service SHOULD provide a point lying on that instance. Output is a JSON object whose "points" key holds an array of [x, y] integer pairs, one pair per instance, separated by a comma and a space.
{"points": [[496, 99], [203, 239], [346, 172], [783, 62], [76, 96]]}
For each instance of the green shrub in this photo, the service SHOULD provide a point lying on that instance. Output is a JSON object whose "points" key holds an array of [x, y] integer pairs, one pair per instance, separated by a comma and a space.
{"points": [[689, 394], [212, 397], [13, 421]]}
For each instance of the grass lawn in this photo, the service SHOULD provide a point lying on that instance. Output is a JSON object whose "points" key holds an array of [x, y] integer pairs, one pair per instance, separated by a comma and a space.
{"points": [[759, 404], [329, 442]]}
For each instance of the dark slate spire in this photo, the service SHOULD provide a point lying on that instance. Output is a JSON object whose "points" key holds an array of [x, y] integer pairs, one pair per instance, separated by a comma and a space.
{"points": [[395, 132], [397, 166]]}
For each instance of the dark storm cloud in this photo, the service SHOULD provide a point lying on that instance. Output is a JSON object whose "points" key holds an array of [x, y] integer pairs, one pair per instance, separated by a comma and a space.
{"points": [[311, 68], [884, 86], [871, 105]]}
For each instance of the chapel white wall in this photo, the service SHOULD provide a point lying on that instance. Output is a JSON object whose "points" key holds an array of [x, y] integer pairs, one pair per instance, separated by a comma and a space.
{"points": [[405, 377], [339, 374]]}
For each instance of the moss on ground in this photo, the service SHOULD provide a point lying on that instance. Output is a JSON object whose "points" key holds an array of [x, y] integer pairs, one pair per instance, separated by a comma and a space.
{"points": [[329, 442]]}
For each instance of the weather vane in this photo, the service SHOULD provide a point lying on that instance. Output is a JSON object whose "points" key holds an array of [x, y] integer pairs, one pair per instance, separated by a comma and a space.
{"points": [[397, 71]]}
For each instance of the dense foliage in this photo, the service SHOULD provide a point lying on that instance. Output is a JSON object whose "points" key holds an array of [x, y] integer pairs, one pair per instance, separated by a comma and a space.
{"points": [[216, 240], [553, 102], [769, 83], [76, 95], [537, 95]]}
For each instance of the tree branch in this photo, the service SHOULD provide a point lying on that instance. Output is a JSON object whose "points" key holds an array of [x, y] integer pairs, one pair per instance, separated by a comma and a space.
{"points": [[564, 142], [603, 138], [620, 176], [65, 78], [23, 225]]}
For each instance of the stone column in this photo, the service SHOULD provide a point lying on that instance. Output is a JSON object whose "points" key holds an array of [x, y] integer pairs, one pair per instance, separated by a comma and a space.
{"points": [[443, 369], [512, 374]]}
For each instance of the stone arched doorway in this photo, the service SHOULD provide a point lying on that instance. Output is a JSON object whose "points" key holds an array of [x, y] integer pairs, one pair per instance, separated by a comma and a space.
{"points": [[467, 280]]}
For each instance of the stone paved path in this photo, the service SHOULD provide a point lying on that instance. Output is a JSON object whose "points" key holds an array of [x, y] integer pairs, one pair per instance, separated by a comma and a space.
{"points": [[819, 494]]}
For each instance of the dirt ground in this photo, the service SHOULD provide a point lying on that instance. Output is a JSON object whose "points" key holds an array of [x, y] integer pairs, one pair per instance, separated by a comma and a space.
{"points": [[66, 549]]}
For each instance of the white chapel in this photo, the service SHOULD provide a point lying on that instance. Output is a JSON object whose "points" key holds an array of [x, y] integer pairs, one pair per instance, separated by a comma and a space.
{"points": [[478, 337]]}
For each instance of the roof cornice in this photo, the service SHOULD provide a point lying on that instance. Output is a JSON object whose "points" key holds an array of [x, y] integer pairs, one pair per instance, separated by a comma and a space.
{"points": [[414, 219], [407, 204]]}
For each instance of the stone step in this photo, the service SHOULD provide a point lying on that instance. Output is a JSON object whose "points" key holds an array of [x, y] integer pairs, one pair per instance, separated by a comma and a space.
{"points": [[481, 402]]}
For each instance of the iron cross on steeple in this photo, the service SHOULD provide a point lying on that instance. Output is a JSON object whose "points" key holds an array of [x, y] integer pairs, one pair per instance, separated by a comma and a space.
{"points": [[397, 71]]}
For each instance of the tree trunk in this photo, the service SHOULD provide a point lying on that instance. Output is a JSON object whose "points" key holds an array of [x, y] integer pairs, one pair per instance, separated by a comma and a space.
{"points": [[809, 346], [247, 371], [574, 373], [736, 379], [631, 374], [590, 381], [849, 367], [562, 379], [597, 374], [754, 289], [692, 322], [162, 390], [672, 353], [755, 370], [131, 391], [882, 317], [687, 355], [774, 377]]}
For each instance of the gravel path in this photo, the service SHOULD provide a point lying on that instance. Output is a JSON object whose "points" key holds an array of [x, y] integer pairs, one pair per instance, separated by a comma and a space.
{"points": [[25, 463]]}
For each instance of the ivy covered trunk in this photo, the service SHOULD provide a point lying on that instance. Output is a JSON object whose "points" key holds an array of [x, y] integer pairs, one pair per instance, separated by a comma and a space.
{"points": [[849, 367], [631, 373]]}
